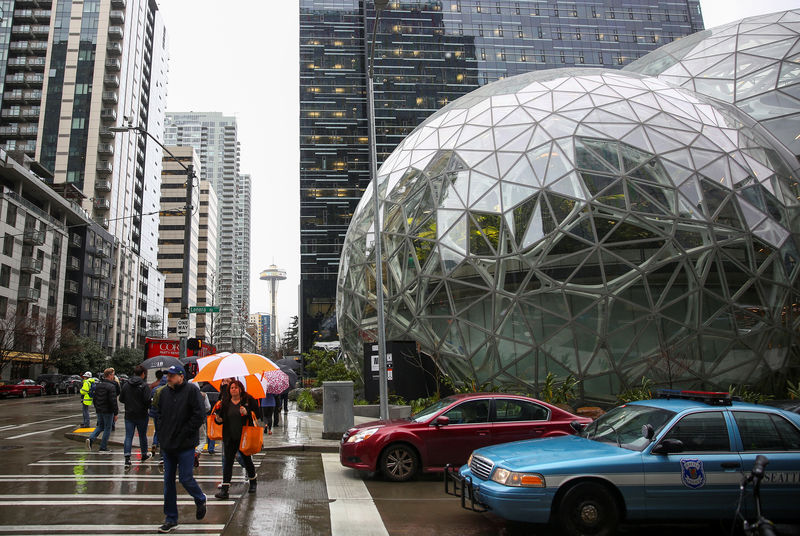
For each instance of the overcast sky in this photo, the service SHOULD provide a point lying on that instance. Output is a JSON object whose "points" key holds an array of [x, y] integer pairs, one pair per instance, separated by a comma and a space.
{"points": [[241, 58]]}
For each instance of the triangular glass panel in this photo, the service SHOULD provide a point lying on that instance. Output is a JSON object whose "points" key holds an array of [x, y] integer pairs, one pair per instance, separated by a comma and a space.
{"points": [[535, 231], [479, 185], [790, 255], [522, 217], [569, 186], [503, 135], [583, 228], [640, 202], [490, 202], [713, 195], [563, 207], [586, 159], [439, 163], [662, 195], [488, 167], [728, 215], [626, 232], [606, 150], [484, 233]]}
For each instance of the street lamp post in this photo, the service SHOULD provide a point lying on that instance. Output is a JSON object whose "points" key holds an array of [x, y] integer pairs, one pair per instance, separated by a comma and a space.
{"points": [[187, 231], [383, 387]]}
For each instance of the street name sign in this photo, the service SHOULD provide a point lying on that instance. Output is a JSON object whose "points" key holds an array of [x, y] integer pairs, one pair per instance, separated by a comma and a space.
{"points": [[204, 309]]}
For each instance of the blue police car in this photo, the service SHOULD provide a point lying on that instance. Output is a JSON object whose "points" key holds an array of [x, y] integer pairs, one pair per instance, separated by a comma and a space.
{"points": [[679, 457]]}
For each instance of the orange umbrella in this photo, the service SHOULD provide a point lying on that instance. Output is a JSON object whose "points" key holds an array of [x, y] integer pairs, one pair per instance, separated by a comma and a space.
{"points": [[226, 365], [252, 385]]}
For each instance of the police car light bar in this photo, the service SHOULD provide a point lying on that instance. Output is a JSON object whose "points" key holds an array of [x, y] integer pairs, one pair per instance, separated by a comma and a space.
{"points": [[709, 397]]}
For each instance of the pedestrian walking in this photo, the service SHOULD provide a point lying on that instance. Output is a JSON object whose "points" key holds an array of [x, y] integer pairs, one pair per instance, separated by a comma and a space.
{"points": [[270, 411], [161, 381], [105, 405], [213, 396], [234, 412], [86, 401], [135, 395], [283, 400], [180, 413], [203, 432]]}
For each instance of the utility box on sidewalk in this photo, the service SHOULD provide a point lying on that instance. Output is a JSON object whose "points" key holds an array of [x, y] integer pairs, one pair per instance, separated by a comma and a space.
{"points": [[337, 409]]}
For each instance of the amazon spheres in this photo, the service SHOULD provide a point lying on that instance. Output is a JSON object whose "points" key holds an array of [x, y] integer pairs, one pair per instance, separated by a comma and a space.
{"points": [[611, 225]]}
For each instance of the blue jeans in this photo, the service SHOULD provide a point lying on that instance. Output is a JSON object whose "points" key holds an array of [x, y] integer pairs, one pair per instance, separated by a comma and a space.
{"points": [[104, 422], [132, 425], [212, 444], [155, 430], [183, 462], [86, 420]]}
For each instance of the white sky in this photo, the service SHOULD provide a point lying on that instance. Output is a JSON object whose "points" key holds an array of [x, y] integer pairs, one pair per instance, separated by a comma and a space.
{"points": [[241, 58]]}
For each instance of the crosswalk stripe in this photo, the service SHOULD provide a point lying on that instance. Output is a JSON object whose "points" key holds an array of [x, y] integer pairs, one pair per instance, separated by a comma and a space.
{"points": [[352, 510]]}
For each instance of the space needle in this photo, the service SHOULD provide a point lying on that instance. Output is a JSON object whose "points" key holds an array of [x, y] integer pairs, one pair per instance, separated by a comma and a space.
{"points": [[273, 275]]}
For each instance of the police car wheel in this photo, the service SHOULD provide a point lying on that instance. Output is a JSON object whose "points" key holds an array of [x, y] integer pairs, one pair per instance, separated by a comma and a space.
{"points": [[399, 463], [588, 509]]}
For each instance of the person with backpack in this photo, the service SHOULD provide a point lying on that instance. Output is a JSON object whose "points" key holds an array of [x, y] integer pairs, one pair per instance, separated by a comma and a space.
{"points": [[135, 395], [105, 405], [87, 390]]}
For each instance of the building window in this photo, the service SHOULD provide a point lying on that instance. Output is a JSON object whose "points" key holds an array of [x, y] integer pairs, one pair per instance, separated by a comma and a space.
{"points": [[483, 53], [8, 245], [536, 10], [573, 10], [597, 35], [616, 35], [5, 276], [594, 12], [653, 37], [11, 215], [619, 60], [577, 34], [500, 31], [612, 15], [480, 30], [520, 33], [522, 57], [3, 307], [460, 29], [555, 12], [539, 32], [516, 8], [497, 7], [477, 7], [558, 32], [630, 13], [666, 15], [649, 15], [600, 58], [502, 54], [580, 58], [563, 58]]}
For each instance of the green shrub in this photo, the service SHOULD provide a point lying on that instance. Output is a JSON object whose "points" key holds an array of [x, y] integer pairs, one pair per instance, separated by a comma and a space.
{"points": [[305, 402], [559, 393], [793, 389], [397, 400], [421, 403], [642, 392], [747, 395], [360, 402]]}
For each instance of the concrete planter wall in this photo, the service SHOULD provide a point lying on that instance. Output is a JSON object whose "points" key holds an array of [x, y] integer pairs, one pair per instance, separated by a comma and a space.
{"points": [[374, 410]]}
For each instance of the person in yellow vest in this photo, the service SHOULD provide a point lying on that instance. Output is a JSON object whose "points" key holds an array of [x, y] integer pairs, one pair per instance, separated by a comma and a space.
{"points": [[86, 402]]}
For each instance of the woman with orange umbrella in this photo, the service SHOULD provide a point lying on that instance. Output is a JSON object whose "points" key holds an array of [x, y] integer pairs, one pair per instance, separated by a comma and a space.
{"points": [[233, 413]]}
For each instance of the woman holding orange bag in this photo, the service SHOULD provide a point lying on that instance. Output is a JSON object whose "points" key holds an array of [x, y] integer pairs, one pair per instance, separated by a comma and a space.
{"points": [[234, 413]]}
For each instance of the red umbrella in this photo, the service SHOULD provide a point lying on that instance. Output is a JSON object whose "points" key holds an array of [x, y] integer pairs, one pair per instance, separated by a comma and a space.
{"points": [[275, 381]]}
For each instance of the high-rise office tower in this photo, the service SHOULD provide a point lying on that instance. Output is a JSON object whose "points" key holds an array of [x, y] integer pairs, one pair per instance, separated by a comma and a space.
{"points": [[215, 137], [206, 258], [429, 53], [69, 71]]}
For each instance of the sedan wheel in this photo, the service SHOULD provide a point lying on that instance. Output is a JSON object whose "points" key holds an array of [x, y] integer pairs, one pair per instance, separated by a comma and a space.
{"points": [[399, 463], [588, 509]]}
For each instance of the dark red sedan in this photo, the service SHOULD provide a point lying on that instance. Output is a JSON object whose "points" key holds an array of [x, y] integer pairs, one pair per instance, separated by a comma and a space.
{"points": [[448, 431], [21, 388]]}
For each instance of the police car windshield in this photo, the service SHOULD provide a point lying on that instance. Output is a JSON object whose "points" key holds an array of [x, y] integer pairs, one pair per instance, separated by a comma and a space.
{"points": [[428, 412], [622, 425]]}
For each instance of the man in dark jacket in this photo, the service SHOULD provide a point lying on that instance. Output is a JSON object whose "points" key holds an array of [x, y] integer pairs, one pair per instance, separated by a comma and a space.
{"points": [[105, 404], [180, 412], [136, 397]]}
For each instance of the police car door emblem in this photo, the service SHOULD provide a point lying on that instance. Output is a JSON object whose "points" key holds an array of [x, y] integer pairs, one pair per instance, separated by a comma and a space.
{"points": [[692, 473]]}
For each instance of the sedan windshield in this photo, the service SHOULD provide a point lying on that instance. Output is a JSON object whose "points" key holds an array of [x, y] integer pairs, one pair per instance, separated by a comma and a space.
{"points": [[622, 426], [425, 414]]}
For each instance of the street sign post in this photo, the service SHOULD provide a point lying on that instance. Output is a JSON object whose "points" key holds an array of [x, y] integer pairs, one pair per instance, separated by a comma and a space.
{"points": [[204, 309], [183, 327]]}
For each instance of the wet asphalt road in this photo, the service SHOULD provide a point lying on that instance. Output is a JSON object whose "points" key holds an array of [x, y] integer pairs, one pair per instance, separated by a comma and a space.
{"points": [[52, 485]]}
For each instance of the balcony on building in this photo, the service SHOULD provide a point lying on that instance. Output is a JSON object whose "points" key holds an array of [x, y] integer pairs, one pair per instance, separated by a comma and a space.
{"points": [[108, 114], [105, 148], [103, 222], [102, 185], [111, 80], [31, 265], [106, 134], [114, 49], [97, 316], [70, 310], [73, 263], [113, 64], [71, 286], [102, 204], [117, 16], [33, 237], [75, 240], [104, 166], [28, 294], [103, 251], [110, 97], [119, 3], [115, 32]]}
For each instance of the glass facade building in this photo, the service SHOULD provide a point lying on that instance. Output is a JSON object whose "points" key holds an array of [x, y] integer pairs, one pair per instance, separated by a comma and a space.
{"points": [[605, 224], [428, 54]]}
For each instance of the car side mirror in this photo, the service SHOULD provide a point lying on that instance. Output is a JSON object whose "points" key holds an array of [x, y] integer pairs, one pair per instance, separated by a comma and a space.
{"points": [[668, 446], [577, 426], [648, 431], [441, 421]]}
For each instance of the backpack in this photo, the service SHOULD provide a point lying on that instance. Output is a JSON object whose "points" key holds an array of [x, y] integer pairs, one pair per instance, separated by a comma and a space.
{"points": [[92, 386]]}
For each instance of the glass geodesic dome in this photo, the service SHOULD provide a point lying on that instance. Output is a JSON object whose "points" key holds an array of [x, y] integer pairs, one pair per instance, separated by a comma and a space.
{"points": [[753, 63], [600, 223]]}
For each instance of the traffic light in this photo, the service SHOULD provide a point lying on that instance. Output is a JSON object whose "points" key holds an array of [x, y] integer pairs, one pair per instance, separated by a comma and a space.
{"points": [[194, 344]]}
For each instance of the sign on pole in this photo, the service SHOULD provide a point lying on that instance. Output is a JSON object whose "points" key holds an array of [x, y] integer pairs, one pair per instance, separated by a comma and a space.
{"points": [[204, 309], [183, 327]]}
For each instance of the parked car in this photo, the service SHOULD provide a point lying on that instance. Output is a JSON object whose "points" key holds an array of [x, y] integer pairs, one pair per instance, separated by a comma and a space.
{"points": [[676, 458], [786, 405], [448, 431], [70, 384], [22, 389], [50, 382]]}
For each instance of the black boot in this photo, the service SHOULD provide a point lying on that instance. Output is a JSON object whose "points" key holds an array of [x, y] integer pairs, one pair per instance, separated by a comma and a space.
{"points": [[223, 492], [253, 485]]}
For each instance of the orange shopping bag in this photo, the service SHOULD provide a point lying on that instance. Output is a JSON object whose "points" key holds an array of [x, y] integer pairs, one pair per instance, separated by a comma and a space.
{"points": [[213, 430], [252, 438]]}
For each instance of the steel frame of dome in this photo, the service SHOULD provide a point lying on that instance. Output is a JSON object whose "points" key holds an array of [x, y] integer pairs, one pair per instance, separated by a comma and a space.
{"points": [[599, 223]]}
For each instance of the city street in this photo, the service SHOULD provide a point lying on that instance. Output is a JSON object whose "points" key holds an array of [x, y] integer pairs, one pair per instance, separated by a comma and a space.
{"points": [[53, 485]]}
